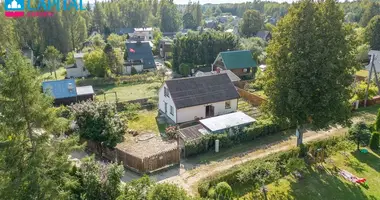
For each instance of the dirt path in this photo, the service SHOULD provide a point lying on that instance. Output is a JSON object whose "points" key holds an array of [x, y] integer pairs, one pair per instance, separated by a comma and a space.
{"points": [[189, 178]]}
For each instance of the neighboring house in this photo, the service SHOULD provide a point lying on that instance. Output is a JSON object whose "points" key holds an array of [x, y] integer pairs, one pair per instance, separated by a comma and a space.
{"points": [[265, 35], [145, 34], [169, 34], [234, 30], [263, 67], [239, 62], [77, 70], [65, 92], [211, 24], [376, 60], [223, 19], [166, 49], [140, 57], [188, 99], [231, 75]]}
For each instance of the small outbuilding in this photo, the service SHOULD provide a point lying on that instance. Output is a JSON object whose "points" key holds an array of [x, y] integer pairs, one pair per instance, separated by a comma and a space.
{"points": [[65, 92], [239, 62]]}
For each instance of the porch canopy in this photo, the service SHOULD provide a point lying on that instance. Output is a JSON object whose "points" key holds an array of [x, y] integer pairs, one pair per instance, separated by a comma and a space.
{"points": [[223, 122]]}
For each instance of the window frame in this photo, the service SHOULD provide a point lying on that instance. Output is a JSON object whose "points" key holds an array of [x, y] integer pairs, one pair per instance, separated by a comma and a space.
{"points": [[227, 105]]}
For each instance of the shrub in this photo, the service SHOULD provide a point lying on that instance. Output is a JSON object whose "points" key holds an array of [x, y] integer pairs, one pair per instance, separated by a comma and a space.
{"points": [[375, 141], [167, 191], [168, 64], [223, 191], [133, 71], [360, 134], [203, 189], [211, 193]]}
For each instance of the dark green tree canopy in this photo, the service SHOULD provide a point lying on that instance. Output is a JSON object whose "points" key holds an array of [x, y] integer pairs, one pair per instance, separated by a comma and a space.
{"points": [[310, 66], [372, 33], [252, 23]]}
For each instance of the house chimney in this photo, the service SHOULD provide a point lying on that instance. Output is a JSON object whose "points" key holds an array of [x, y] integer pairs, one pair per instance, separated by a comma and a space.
{"points": [[218, 70]]}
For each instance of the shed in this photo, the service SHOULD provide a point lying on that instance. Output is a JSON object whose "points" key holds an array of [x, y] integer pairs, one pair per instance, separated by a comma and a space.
{"points": [[224, 122]]}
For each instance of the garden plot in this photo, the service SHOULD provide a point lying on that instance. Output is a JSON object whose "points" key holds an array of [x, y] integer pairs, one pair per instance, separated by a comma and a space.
{"points": [[248, 109]]}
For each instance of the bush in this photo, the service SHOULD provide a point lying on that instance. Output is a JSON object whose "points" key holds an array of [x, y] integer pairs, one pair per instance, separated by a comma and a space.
{"points": [[223, 191], [133, 71], [203, 189], [375, 141], [360, 134], [168, 64], [167, 191], [135, 79], [211, 193]]}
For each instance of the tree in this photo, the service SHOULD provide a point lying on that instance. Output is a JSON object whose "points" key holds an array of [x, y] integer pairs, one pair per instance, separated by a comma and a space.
{"points": [[375, 141], [188, 21], [99, 19], [223, 191], [377, 123], [35, 164], [372, 9], [360, 134], [96, 63], [252, 23], [70, 60], [52, 59], [116, 41], [255, 45], [155, 7], [99, 181], [185, 69], [98, 121], [166, 191], [372, 33], [311, 45], [113, 59], [137, 189], [169, 16], [198, 14]]}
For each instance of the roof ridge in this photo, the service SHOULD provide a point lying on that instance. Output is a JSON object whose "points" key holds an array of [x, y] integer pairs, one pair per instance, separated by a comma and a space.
{"points": [[192, 77]]}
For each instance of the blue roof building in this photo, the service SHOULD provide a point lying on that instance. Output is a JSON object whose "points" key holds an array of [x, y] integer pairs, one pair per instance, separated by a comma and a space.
{"points": [[65, 92]]}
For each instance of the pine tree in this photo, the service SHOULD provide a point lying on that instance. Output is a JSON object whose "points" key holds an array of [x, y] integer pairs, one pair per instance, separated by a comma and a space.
{"points": [[34, 164]]}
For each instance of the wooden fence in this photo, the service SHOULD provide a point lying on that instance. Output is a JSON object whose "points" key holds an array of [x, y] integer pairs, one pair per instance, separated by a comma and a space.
{"points": [[140, 165], [251, 98]]}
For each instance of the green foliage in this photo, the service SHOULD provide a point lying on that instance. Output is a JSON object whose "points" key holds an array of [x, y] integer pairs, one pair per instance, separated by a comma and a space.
{"points": [[168, 64], [166, 191], [377, 122], [360, 134], [372, 33], [170, 20], [185, 69], [223, 191], [113, 58], [270, 168], [211, 193], [96, 63], [375, 141], [98, 121], [116, 41], [259, 80], [99, 181], [137, 189], [256, 46], [133, 71], [295, 164], [359, 91], [52, 59], [362, 52], [133, 79], [252, 23], [70, 58], [34, 164], [201, 49], [307, 92], [371, 9]]}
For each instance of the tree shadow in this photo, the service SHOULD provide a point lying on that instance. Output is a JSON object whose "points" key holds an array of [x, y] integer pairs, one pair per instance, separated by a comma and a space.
{"points": [[369, 158], [356, 165], [324, 184]]}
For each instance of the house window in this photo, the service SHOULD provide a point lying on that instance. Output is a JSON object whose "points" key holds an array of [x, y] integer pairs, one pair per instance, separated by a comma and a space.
{"points": [[166, 92], [150, 37], [171, 110], [227, 104]]}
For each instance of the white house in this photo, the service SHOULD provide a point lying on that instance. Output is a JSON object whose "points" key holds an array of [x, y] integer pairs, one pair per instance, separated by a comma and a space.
{"points": [[188, 99], [77, 70], [145, 34]]}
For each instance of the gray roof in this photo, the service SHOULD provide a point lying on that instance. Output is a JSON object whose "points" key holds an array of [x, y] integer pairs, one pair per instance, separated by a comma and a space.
{"points": [[227, 121], [233, 77], [262, 34], [85, 90], [192, 132], [142, 51], [187, 92], [78, 55]]}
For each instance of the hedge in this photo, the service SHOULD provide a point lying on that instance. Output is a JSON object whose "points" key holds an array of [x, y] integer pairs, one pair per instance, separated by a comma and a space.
{"points": [[248, 173], [207, 142], [133, 79]]}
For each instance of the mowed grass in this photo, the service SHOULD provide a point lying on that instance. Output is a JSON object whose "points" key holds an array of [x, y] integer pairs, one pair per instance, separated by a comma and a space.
{"points": [[128, 92], [362, 73], [146, 123], [326, 184], [46, 76]]}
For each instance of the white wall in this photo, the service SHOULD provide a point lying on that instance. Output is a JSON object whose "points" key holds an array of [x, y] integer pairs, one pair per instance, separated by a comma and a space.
{"points": [[191, 113], [77, 72], [147, 35], [161, 103], [127, 70]]}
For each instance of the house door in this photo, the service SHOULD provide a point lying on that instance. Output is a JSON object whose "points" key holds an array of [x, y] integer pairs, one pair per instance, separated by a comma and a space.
{"points": [[166, 107], [209, 111]]}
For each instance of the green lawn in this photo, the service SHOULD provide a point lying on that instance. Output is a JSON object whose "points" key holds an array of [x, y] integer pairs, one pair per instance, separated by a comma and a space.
{"points": [[248, 109], [128, 92], [326, 184], [45, 74], [146, 122]]}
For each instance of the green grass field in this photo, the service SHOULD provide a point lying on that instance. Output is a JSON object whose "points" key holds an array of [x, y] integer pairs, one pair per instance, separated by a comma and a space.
{"points": [[128, 92], [146, 122], [326, 184], [46, 76]]}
